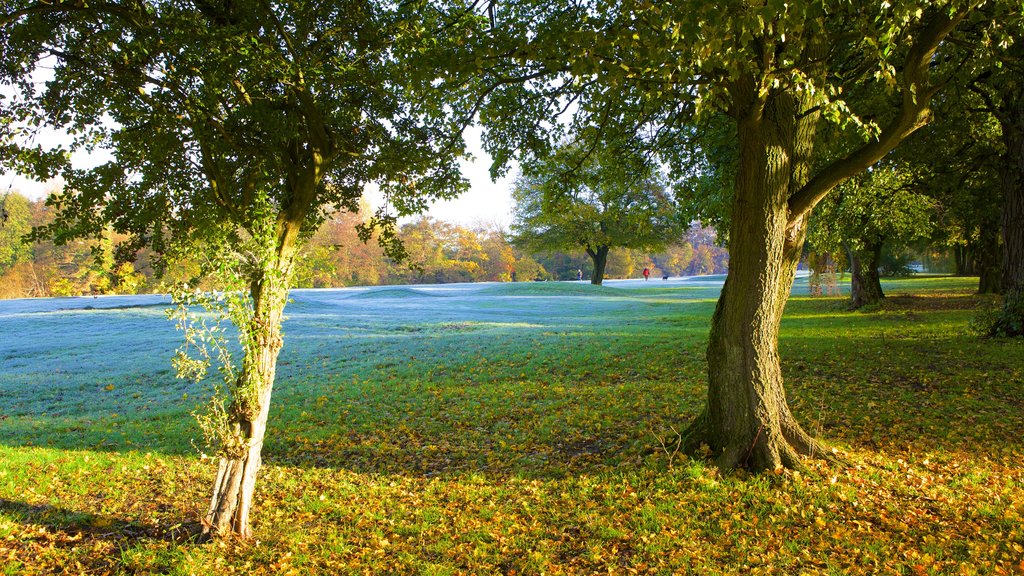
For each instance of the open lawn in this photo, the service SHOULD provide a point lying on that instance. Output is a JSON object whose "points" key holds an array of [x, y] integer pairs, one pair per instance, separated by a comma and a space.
{"points": [[516, 428]]}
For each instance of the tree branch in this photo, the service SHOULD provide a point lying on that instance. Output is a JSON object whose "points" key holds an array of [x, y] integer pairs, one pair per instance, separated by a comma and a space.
{"points": [[913, 114], [130, 13]]}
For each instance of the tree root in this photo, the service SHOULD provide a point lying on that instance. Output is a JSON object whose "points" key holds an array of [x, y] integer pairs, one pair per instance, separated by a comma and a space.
{"points": [[766, 451]]}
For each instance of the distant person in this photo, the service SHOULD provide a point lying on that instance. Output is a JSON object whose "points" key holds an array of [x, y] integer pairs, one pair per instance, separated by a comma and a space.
{"points": [[579, 274], [647, 273]]}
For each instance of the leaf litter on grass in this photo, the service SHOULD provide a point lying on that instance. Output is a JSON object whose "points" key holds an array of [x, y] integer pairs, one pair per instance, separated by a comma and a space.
{"points": [[514, 429]]}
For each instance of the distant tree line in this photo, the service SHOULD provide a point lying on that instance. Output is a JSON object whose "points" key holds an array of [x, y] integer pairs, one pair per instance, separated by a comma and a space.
{"points": [[438, 252]]}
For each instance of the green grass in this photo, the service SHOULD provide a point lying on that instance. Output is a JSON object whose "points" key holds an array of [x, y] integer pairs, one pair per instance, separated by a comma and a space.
{"points": [[517, 431]]}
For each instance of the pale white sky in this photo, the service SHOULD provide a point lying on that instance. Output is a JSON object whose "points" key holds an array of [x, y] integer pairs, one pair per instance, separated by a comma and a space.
{"points": [[485, 202]]}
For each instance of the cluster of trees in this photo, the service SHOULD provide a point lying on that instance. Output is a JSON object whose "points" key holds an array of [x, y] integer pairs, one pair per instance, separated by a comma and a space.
{"points": [[697, 252], [42, 268], [236, 128], [334, 256], [941, 192]]}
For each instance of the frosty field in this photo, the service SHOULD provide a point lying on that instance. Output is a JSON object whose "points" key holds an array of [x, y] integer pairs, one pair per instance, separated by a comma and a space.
{"points": [[69, 362], [515, 428]]}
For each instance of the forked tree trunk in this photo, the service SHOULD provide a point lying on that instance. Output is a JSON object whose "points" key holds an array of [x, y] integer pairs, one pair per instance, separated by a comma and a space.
{"points": [[600, 258], [747, 421], [865, 285], [235, 484]]}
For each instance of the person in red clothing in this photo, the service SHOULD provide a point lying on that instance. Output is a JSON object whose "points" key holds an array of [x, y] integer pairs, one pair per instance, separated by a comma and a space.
{"points": [[647, 272]]}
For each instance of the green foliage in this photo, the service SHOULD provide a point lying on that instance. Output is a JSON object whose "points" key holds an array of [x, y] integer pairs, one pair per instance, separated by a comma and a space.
{"points": [[895, 264], [203, 319], [1009, 320], [212, 105], [884, 205], [14, 226], [955, 161], [663, 75], [580, 198]]}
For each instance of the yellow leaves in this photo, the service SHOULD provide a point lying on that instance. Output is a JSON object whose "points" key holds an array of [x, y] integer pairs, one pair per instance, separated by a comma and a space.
{"points": [[109, 387], [102, 522]]}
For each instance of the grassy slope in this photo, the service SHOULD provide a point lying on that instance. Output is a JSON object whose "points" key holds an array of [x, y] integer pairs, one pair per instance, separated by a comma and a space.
{"points": [[522, 430]]}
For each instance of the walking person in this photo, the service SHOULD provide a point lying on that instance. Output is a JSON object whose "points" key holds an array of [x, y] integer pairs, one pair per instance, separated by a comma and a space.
{"points": [[647, 273]]}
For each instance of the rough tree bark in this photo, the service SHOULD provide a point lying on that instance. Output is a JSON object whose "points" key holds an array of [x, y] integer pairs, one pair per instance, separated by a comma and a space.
{"points": [[1011, 320], [747, 422], [600, 259], [987, 260], [865, 285]]}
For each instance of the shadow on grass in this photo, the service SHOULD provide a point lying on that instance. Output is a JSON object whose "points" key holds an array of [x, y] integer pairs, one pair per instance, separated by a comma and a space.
{"points": [[45, 527]]}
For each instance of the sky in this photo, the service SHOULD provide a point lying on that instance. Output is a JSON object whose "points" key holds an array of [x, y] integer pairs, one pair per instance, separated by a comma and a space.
{"points": [[485, 203]]}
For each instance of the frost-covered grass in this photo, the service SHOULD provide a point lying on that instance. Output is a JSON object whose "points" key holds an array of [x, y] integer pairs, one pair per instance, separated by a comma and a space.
{"points": [[492, 428]]}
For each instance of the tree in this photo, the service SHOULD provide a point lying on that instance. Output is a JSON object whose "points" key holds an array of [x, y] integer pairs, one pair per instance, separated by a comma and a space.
{"points": [[14, 226], [335, 256], [1002, 89], [501, 260], [777, 72], [234, 128], [956, 161], [439, 252], [876, 208], [15, 253], [595, 200], [986, 99]]}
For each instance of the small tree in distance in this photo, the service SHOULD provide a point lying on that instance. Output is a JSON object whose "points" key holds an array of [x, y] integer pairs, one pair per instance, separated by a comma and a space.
{"points": [[593, 200], [877, 207]]}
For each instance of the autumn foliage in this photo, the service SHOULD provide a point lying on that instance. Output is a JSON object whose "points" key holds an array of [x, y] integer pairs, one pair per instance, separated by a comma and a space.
{"points": [[439, 252]]}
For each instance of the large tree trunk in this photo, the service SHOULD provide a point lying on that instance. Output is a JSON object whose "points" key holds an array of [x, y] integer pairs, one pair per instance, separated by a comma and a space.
{"points": [[747, 422], [964, 260], [865, 285], [1011, 321], [600, 258], [987, 260], [235, 485]]}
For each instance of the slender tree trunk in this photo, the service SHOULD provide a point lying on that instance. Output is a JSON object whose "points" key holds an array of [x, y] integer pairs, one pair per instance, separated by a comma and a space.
{"points": [[1011, 321], [600, 258], [865, 285], [747, 421], [235, 484]]}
